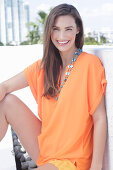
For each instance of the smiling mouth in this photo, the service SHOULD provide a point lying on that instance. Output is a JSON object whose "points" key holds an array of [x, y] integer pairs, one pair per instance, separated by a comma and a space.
{"points": [[61, 43]]}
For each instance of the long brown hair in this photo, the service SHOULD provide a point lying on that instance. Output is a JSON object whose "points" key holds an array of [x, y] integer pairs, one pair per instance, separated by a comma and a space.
{"points": [[51, 60]]}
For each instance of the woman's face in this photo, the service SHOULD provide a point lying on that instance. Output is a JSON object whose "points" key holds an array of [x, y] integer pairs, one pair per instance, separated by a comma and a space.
{"points": [[64, 32]]}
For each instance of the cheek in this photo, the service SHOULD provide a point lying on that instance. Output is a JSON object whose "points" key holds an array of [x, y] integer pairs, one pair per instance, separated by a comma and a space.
{"points": [[71, 35], [53, 35], [53, 38]]}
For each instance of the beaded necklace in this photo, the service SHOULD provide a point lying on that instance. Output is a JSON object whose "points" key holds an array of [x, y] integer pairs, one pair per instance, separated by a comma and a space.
{"points": [[70, 66]]}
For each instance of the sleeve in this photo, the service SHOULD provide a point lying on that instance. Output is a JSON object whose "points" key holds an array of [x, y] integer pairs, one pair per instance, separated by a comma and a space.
{"points": [[96, 83], [31, 73]]}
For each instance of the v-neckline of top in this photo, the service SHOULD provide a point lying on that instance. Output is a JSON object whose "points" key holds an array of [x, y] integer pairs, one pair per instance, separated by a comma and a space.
{"points": [[64, 72], [59, 79]]}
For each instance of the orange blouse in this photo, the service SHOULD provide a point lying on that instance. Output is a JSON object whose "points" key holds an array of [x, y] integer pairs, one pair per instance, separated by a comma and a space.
{"points": [[67, 124]]}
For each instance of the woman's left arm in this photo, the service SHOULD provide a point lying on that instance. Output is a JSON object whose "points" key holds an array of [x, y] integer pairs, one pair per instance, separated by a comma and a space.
{"points": [[99, 135]]}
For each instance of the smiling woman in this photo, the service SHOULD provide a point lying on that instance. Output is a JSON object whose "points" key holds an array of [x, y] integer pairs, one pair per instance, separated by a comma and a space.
{"points": [[64, 34], [69, 88]]}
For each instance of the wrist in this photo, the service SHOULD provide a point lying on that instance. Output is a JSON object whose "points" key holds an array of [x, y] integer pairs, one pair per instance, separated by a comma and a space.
{"points": [[4, 87], [96, 167]]}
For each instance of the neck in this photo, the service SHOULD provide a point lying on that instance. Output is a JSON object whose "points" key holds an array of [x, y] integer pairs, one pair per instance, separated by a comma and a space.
{"points": [[67, 57]]}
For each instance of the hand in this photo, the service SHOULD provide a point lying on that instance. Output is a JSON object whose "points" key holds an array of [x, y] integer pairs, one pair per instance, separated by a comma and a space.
{"points": [[95, 168], [2, 91]]}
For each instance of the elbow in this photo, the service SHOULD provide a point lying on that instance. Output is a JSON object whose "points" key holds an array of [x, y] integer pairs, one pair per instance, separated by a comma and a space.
{"points": [[101, 121]]}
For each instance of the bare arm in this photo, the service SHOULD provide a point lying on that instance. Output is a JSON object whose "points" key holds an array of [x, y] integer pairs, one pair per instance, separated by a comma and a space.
{"points": [[17, 82], [99, 136]]}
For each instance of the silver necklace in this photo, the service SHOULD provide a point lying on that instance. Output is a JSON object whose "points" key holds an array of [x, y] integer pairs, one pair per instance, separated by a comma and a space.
{"points": [[70, 66]]}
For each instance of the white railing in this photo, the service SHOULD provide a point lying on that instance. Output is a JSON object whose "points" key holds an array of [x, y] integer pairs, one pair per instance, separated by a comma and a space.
{"points": [[15, 58]]}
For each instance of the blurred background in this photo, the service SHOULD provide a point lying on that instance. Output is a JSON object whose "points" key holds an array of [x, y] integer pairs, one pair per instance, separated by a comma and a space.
{"points": [[22, 21]]}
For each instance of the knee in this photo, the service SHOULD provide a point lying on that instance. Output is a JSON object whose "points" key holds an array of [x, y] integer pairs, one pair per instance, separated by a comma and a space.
{"points": [[8, 100]]}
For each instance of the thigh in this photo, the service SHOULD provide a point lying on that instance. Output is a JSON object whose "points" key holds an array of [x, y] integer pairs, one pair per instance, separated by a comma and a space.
{"points": [[25, 123], [47, 166]]}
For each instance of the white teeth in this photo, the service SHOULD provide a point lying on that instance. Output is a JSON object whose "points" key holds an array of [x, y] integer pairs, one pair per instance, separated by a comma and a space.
{"points": [[62, 42]]}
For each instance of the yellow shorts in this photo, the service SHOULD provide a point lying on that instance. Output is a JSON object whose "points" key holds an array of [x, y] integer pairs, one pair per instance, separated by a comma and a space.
{"points": [[63, 164]]}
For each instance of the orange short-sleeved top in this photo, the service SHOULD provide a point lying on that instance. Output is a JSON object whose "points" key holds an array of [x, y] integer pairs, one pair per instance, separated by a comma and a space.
{"points": [[67, 124]]}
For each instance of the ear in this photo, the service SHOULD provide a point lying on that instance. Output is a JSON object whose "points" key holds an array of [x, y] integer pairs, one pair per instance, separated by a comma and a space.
{"points": [[78, 30]]}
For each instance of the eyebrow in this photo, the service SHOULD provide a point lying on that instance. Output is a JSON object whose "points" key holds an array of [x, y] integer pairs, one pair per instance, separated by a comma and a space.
{"points": [[65, 27]]}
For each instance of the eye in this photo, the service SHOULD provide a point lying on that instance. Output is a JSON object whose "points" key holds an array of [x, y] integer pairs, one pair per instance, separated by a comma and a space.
{"points": [[69, 29], [55, 28]]}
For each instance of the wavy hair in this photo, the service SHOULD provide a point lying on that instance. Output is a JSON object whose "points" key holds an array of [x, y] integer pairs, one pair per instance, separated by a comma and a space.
{"points": [[51, 60]]}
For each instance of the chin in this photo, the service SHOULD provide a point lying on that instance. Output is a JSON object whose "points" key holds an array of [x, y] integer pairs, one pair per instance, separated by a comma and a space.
{"points": [[64, 49]]}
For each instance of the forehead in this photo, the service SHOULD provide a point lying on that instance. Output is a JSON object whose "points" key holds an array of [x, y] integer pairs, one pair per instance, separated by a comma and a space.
{"points": [[65, 20]]}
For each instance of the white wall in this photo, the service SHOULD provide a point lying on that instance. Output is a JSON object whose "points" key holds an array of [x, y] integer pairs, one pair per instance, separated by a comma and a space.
{"points": [[14, 59], [105, 53]]}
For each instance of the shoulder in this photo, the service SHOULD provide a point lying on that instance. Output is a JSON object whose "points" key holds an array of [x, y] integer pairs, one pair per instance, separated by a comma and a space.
{"points": [[36, 64], [39, 61], [92, 59]]}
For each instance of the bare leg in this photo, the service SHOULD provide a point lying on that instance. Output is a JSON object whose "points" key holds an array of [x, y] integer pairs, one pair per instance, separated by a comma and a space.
{"points": [[27, 126], [47, 166]]}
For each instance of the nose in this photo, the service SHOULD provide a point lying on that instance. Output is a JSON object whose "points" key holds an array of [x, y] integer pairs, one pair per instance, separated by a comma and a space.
{"points": [[61, 35]]}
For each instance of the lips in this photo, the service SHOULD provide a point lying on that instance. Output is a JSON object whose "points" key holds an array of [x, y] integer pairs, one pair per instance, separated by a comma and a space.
{"points": [[62, 42]]}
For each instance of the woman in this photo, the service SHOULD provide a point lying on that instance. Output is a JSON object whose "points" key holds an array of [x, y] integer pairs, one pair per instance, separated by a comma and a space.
{"points": [[69, 88]]}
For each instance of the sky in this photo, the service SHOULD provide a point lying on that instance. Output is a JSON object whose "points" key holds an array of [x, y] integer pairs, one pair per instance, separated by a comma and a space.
{"points": [[97, 15]]}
